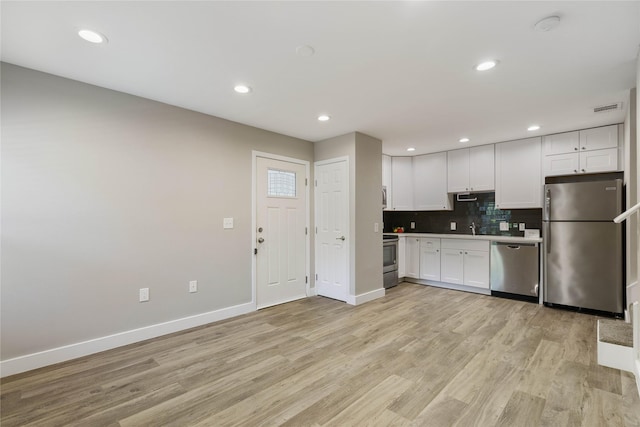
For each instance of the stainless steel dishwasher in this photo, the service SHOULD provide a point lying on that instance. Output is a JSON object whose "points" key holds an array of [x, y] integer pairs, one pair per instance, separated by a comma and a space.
{"points": [[515, 271]]}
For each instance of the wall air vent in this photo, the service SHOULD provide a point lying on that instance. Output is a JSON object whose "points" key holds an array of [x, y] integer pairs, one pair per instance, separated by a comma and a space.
{"points": [[609, 107]]}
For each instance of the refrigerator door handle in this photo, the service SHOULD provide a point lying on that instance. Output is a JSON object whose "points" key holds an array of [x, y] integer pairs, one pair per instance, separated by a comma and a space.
{"points": [[547, 204], [546, 232]]}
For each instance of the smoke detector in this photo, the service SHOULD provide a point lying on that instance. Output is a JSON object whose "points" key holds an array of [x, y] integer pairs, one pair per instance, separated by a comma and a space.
{"points": [[608, 108], [547, 24]]}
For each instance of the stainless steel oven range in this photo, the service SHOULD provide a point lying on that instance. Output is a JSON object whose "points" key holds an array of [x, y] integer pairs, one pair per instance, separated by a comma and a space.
{"points": [[390, 263]]}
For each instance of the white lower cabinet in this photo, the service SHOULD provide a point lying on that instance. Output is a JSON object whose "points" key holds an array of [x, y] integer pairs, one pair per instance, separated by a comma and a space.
{"points": [[412, 260], [476, 269], [430, 259], [452, 266], [465, 262]]}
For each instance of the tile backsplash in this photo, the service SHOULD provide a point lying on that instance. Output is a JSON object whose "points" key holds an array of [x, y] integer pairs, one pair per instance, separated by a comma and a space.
{"points": [[482, 211]]}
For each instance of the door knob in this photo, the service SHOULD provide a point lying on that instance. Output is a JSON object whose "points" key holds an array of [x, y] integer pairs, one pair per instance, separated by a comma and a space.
{"points": [[260, 240], [340, 238]]}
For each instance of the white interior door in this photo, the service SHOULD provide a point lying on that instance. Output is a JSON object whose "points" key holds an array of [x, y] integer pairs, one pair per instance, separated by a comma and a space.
{"points": [[280, 232], [332, 233]]}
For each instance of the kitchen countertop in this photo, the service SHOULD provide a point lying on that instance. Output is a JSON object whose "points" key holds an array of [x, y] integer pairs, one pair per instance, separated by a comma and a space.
{"points": [[507, 239]]}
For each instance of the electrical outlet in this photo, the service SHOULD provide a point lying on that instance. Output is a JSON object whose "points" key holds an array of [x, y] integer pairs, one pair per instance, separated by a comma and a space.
{"points": [[504, 226], [193, 286], [227, 223], [521, 227], [376, 227], [413, 225], [453, 226], [144, 294]]}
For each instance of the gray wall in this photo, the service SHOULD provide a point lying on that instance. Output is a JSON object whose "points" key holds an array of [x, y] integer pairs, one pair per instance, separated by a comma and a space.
{"points": [[104, 193], [365, 205], [631, 181], [368, 201]]}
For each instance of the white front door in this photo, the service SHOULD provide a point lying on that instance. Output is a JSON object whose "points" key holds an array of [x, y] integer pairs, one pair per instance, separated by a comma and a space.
{"points": [[332, 236], [280, 232]]}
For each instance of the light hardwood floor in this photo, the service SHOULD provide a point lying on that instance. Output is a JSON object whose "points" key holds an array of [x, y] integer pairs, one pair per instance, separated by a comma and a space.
{"points": [[421, 356]]}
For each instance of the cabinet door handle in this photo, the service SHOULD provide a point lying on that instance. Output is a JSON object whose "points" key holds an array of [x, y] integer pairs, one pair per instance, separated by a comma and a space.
{"points": [[575, 148], [582, 170], [460, 252], [584, 148], [575, 171]]}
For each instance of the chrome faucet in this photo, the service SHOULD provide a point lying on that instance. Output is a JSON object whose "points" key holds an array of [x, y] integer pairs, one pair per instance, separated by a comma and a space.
{"points": [[473, 227]]}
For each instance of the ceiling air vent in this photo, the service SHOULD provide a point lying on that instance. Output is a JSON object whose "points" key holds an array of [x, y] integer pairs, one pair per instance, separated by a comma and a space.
{"points": [[608, 107]]}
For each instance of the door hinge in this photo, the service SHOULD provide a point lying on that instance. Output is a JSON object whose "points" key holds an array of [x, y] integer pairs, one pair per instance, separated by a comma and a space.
{"points": [[316, 230], [316, 276], [306, 182], [306, 231], [306, 279], [255, 251]]}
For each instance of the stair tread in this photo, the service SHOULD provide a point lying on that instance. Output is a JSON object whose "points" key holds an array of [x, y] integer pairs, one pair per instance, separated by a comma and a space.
{"points": [[616, 332]]}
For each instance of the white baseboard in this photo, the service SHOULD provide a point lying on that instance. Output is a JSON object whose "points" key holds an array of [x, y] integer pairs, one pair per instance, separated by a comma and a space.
{"points": [[85, 348], [366, 297]]}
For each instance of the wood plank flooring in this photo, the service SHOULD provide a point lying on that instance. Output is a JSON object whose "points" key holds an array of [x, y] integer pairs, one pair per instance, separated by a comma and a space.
{"points": [[421, 356]]}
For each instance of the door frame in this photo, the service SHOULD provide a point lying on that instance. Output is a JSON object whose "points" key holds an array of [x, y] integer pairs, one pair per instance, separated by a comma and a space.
{"points": [[350, 293], [254, 193]]}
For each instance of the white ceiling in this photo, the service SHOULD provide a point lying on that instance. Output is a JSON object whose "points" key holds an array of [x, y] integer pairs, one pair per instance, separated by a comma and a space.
{"points": [[398, 71]]}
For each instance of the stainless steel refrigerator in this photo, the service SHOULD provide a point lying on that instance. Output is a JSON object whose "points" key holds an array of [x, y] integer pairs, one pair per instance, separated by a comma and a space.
{"points": [[583, 258]]}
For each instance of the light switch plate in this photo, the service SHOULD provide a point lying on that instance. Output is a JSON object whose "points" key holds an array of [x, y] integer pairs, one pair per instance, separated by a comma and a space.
{"points": [[144, 295], [193, 286], [413, 225], [453, 226], [227, 223], [504, 226], [521, 227]]}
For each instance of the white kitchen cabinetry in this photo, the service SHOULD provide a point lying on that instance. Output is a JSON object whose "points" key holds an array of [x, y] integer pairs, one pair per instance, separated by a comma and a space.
{"points": [[476, 268], [452, 266], [412, 260], [386, 179], [430, 183], [471, 169], [402, 183], [430, 259], [518, 174], [585, 151], [465, 262], [599, 138], [402, 256]]}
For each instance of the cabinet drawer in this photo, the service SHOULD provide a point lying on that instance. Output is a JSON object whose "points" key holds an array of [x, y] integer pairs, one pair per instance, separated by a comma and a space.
{"points": [[429, 243], [469, 245]]}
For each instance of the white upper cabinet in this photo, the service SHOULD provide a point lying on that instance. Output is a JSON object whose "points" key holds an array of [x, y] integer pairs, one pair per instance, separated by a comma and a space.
{"points": [[482, 168], [386, 179], [402, 183], [471, 169], [561, 143], [518, 174], [585, 151], [599, 138], [430, 183], [458, 170]]}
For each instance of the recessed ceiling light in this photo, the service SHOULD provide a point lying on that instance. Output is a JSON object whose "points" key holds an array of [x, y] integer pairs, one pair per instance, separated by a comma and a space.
{"points": [[547, 24], [411, 149], [533, 127], [242, 89], [323, 118], [464, 139], [92, 36], [486, 65]]}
